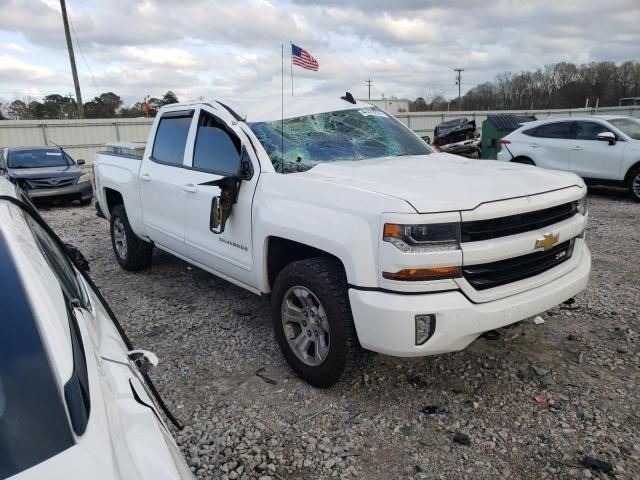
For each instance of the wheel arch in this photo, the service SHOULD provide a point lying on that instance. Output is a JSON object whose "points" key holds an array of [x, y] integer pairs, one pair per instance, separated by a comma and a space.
{"points": [[523, 159], [630, 170], [280, 252]]}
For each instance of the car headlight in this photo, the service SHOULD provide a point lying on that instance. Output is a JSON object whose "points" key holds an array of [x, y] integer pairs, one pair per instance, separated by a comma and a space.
{"points": [[432, 237], [84, 178], [581, 205]]}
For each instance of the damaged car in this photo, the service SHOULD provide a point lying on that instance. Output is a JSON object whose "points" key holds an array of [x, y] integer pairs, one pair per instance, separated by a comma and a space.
{"points": [[358, 233], [76, 400], [458, 136]]}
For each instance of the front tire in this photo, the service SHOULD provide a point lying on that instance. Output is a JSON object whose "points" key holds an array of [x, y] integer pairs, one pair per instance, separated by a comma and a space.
{"points": [[634, 184], [312, 320], [131, 252]]}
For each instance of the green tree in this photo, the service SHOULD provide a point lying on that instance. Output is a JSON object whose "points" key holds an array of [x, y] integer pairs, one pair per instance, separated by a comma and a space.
{"points": [[169, 98], [104, 106], [18, 110]]}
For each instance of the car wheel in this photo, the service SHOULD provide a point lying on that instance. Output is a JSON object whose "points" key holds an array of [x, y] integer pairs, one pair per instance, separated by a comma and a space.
{"points": [[131, 252], [86, 201], [312, 320], [523, 160], [634, 184]]}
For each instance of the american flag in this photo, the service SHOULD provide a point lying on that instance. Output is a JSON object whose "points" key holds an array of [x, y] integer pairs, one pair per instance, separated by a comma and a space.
{"points": [[301, 58]]}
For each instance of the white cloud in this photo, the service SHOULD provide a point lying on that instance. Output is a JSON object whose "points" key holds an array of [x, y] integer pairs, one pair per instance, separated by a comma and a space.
{"points": [[232, 49], [12, 47]]}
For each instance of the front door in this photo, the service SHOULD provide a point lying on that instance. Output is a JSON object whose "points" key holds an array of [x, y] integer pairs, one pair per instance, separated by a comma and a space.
{"points": [[216, 154], [164, 180], [593, 158]]}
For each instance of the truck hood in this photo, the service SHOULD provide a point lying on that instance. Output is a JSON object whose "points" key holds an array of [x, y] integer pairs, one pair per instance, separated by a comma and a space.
{"points": [[442, 182], [70, 171]]}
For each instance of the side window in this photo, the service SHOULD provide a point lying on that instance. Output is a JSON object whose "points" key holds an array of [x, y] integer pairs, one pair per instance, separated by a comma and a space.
{"points": [[589, 130], [563, 130], [59, 263], [171, 137], [76, 390], [216, 149]]}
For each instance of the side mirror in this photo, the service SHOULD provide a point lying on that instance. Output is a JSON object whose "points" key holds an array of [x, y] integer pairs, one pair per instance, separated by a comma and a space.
{"points": [[607, 137], [80, 161], [217, 218], [78, 258], [143, 359]]}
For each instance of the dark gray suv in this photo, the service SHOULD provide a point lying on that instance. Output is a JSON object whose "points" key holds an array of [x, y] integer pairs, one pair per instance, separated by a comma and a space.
{"points": [[46, 172]]}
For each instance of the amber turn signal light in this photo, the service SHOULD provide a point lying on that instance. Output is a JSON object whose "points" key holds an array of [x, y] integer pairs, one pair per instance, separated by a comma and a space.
{"points": [[422, 274]]}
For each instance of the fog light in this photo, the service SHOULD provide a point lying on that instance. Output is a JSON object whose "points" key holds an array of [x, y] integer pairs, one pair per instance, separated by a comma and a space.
{"points": [[425, 327]]}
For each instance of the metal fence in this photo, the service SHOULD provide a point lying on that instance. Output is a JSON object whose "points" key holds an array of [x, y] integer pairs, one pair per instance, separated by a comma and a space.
{"points": [[423, 123], [83, 138]]}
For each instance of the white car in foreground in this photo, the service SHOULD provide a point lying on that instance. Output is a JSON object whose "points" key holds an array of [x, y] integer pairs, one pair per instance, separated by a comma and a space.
{"points": [[359, 233], [604, 150], [72, 403]]}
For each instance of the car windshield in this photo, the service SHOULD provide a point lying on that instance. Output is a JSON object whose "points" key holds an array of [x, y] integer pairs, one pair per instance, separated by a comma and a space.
{"points": [[349, 135], [33, 417], [37, 157], [630, 126]]}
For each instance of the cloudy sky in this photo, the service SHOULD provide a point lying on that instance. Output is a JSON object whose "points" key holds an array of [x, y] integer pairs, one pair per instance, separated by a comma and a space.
{"points": [[232, 49]]}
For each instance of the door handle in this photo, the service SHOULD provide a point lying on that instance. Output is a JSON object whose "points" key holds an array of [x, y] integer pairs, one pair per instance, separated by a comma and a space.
{"points": [[189, 188], [145, 177], [534, 145], [577, 147]]}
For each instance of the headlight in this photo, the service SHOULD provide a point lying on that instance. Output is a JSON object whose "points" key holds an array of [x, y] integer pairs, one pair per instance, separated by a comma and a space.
{"points": [[84, 178], [581, 205], [433, 237]]}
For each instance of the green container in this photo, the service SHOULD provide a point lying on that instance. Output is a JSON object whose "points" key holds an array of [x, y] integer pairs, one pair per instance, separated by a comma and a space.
{"points": [[495, 127]]}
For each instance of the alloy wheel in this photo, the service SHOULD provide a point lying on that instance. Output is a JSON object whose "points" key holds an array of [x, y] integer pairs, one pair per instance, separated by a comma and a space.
{"points": [[120, 237], [305, 326]]}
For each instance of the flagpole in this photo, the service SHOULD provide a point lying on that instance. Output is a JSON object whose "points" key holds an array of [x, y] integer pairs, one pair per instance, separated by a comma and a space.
{"points": [[291, 57]]}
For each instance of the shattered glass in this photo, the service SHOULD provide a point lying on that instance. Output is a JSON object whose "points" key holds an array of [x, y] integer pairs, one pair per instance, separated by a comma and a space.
{"points": [[351, 135]]}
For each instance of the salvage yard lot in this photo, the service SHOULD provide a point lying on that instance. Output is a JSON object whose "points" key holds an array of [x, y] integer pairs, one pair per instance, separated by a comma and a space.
{"points": [[533, 402]]}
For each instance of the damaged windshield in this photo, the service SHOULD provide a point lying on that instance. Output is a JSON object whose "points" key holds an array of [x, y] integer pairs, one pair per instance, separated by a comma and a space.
{"points": [[350, 135]]}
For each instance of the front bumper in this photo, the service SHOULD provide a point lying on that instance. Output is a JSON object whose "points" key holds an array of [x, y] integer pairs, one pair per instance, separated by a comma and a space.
{"points": [[385, 322], [81, 191]]}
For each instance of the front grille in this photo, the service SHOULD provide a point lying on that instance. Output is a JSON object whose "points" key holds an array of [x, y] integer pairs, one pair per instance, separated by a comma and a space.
{"points": [[477, 230], [489, 275], [50, 182]]}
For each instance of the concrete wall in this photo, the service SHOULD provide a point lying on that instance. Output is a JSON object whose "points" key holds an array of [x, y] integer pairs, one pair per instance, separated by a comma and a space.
{"points": [[83, 138]]}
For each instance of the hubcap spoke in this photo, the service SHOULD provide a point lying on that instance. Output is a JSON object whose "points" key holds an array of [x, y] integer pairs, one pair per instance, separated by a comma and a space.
{"points": [[305, 324]]}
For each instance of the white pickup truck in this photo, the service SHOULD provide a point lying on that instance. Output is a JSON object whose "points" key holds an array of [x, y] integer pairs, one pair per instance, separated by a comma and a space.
{"points": [[362, 235]]}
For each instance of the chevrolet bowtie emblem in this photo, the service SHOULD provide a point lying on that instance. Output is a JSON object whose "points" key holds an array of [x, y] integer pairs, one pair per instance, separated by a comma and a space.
{"points": [[548, 241]]}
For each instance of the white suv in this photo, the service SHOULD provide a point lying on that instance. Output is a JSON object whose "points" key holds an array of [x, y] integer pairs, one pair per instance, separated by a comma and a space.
{"points": [[604, 150]]}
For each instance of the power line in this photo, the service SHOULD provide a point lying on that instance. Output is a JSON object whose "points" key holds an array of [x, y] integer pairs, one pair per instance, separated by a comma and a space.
{"points": [[369, 83], [459, 83], [95, 84]]}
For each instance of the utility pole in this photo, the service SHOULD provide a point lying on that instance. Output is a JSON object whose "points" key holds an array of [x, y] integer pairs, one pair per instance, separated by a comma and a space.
{"points": [[459, 83], [72, 59], [369, 83]]}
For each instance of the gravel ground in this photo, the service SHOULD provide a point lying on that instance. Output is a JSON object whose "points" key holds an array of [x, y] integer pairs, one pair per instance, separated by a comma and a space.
{"points": [[530, 403]]}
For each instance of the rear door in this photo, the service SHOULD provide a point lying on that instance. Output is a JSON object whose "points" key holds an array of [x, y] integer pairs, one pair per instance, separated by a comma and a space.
{"points": [[216, 154], [163, 181], [549, 144], [593, 158]]}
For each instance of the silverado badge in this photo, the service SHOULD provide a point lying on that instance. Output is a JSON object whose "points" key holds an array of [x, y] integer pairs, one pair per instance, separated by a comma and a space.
{"points": [[548, 241]]}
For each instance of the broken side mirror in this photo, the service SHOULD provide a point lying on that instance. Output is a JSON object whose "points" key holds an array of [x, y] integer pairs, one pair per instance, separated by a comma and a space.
{"points": [[143, 359], [216, 218], [222, 204], [78, 258], [607, 137]]}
